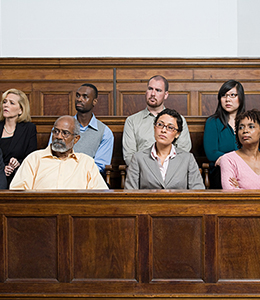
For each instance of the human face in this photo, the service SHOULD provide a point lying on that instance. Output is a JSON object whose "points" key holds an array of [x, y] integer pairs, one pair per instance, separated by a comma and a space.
{"points": [[162, 135], [155, 93], [248, 132], [229, 104], [85, 99], [11, 107], [60, 143]]}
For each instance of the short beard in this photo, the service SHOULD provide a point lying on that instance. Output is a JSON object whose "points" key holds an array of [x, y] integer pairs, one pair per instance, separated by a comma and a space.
{"points": [[60, 146]]}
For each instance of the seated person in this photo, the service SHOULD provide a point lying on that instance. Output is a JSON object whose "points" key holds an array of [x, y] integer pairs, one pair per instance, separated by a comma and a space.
{"points": [[138, 130], [58, 166], [3, 181], [18, 134], [163, 166], [91, 129], [240, 169]]}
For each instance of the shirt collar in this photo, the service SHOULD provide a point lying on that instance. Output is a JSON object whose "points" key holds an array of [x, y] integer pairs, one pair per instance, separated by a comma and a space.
{"points": [[147, 113], [92, 123], [155, 156], [48, 154]]}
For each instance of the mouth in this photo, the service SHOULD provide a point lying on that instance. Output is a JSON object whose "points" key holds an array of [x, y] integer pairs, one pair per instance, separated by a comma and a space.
{"points": [[246, 137], [162, 136]]}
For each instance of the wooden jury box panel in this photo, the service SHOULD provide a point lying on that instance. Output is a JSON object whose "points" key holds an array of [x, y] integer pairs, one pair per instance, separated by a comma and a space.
{"points": [[132, 244]]}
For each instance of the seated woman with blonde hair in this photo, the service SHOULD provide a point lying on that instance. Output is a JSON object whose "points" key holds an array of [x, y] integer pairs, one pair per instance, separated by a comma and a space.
{"points": [[163, 166], [240, 169], [18, 138]]}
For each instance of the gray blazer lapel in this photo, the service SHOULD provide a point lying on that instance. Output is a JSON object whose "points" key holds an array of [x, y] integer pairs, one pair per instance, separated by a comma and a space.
{"points": [[154, 168], [173, 168]]}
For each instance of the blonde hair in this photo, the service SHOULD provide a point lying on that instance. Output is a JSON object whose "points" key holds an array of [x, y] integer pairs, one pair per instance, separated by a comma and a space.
{"points": [[23, 102]]}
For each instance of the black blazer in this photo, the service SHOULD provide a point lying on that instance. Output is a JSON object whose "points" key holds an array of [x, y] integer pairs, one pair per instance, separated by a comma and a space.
{"points": [[3, 182], [24, 142]]}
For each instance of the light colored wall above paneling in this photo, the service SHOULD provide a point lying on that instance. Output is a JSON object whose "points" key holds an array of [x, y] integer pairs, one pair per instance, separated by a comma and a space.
{"points": [[119, 28]]}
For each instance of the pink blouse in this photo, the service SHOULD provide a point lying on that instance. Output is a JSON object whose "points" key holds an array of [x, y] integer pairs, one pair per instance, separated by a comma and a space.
{"points": [[232, 165]]}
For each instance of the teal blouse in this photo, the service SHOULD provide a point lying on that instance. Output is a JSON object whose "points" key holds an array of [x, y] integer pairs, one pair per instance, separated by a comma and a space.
{"points": [[217, 140]]}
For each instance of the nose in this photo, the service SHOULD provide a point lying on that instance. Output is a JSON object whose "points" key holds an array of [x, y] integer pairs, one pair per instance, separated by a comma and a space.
{"points": [[164, 128]]}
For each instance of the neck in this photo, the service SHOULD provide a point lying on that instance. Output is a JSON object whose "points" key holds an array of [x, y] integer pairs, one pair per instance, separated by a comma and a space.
{"points": [[84, 118], [155, 110], [11, 122], [250, 150], [61, 155], [163, 150]]}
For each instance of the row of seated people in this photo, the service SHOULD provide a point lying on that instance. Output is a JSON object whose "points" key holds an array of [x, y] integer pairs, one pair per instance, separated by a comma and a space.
{"points": [[156, 143]]}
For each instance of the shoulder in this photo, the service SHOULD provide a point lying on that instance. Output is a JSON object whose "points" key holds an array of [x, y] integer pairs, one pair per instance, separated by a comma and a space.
{"points": [[84, 158], [229, 157], [137, 115], [27, 125], [104, 126]]}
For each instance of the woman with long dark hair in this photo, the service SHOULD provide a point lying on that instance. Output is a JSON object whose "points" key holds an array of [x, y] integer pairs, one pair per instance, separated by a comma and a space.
{"points": [[219, 134]]}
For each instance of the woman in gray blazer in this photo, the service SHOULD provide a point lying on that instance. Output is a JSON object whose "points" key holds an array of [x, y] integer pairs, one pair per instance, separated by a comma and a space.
{"points": [[163, 166]]}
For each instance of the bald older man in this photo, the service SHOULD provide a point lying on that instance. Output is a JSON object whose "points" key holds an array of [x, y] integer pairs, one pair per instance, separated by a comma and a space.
{"points": [[58, 166]]}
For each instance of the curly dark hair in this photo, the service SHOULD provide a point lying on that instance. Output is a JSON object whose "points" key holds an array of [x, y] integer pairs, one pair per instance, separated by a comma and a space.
{"points": [[253, 115]]}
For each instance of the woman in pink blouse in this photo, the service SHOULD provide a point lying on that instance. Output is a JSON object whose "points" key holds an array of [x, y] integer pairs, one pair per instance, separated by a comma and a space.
{"points": [[240, 169]]}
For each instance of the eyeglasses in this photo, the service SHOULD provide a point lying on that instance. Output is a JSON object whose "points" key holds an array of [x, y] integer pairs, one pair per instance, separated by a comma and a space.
{"points": [[64, 133], [85, 96], [169, 128], [232, 96]]}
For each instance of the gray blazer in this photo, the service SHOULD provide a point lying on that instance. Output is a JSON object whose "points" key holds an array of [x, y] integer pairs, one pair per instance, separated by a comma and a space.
{"points": [[182, 173]]}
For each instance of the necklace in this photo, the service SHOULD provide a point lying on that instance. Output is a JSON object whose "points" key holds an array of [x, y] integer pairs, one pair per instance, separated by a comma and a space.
{"points": [[8, 131]]}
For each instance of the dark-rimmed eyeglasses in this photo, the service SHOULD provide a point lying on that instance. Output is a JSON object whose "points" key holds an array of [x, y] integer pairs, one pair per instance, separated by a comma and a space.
{"points": [[169, 128], [64, 133], [232, 96]]}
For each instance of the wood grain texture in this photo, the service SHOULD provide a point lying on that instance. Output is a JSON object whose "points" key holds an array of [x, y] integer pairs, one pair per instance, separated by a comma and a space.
{"points": [[130, 244]]}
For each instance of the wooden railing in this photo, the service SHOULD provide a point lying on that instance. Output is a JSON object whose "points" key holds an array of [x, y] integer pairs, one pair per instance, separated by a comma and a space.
{"points": [[135, 244]]}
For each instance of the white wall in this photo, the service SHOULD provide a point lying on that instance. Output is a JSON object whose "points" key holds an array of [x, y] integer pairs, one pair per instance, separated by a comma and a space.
{"points": [[124, 28]]}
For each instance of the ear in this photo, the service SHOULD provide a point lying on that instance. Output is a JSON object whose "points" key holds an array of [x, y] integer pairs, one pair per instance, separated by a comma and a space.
{"points": [[95, 101], [76, 139], [166, 95]]}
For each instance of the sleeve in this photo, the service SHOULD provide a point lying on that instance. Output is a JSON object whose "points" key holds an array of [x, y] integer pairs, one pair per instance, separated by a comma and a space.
{"points": [[184, 142], [228, 170], [95, 179], [210, 140], [195, 181], [24, 177], [129, 141], [133, 175], [104, 152], [32, 143], [3, 181]]}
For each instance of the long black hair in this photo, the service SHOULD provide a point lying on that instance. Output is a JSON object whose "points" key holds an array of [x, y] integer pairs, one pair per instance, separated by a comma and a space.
{"points": [[220, 111]]}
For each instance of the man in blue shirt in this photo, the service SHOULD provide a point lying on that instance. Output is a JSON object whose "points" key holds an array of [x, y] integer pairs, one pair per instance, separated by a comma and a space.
{"points": [[96, 139]]}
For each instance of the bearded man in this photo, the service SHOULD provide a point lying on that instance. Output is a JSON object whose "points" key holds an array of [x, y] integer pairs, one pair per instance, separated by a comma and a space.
{"points": [[58, 166]]}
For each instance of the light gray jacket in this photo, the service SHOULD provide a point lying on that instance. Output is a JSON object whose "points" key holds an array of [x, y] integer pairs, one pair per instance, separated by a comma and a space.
{"points": [[182, 173]]}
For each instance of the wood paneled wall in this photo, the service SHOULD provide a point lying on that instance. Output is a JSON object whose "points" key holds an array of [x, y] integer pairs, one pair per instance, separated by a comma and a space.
{"points": [[135, 244], [51, 83]]}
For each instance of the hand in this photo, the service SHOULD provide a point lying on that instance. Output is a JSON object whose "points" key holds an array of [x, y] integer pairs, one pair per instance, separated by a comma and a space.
{"points": [[233, 182], [217, 163], [14, 163], [8, 170]]}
